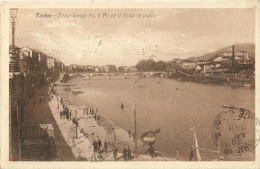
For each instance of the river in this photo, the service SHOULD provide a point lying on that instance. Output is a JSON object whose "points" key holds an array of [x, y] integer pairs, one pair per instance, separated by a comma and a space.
{"points": [[171, 105]]}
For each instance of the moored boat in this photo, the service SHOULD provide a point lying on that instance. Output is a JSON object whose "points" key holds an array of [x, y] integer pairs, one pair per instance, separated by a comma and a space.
{"points": [[151, 131]]}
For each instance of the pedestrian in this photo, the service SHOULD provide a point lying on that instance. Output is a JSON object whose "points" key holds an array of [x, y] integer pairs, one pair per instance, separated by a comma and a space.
{"points": [[105, 145], [95, 117], [63, 113], [67, 116], [87, 111], [70, 115], [152, 151], [155, 152], [125, 154], [128, 154], [115, 154], [134, 137], [99, 143], [95, 145], [191, 154], [100, 154], [98, 120], [129, 133]]}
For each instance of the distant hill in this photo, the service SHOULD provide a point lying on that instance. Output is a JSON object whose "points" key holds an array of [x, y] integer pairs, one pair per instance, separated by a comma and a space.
{"points": [[249, 47]]}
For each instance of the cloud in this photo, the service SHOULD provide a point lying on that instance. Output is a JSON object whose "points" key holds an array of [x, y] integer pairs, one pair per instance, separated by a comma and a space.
{"points": [[176, 49], [123, 41]]}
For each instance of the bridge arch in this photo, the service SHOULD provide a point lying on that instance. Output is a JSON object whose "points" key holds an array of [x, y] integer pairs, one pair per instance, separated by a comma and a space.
{"points": [[160, 73], [115, 74], [140, 73], [97, 74]]}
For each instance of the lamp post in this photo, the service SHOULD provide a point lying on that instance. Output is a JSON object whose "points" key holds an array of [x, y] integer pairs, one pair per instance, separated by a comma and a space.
{"points": [[14, 60], [75, 113], [135, 133], [58, 101]]}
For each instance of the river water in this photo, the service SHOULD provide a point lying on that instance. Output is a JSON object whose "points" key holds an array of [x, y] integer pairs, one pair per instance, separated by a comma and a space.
{"points": [[171, 105]]}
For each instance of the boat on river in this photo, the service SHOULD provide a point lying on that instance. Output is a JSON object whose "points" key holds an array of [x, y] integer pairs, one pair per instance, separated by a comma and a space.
{"points": [[151, 131], [149, 136], [149, 139], [249, 85]]}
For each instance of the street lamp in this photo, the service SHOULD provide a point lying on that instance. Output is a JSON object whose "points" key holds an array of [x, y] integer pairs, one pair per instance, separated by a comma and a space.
{"points": [[135, 132], [13, 65], [58, 101]]}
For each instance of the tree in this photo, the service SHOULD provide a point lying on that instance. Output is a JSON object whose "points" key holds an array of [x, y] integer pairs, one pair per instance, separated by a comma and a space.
{"points": [[151, 65], [141, 65]]}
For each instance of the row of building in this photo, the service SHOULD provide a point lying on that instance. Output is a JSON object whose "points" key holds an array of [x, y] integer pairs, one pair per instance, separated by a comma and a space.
{"points": [[106, 68], [32, 60], [224, 62]]}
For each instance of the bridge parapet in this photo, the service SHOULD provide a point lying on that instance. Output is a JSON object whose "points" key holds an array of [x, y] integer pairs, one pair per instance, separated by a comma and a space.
{"points": [[127, 75]]}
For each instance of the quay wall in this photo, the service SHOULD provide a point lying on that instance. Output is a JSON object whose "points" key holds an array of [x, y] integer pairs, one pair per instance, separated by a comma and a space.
{"points": [[219, 80]]}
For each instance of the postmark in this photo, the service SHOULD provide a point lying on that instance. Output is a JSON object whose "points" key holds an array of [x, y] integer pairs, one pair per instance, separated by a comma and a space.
{"points": [[238, 131]]}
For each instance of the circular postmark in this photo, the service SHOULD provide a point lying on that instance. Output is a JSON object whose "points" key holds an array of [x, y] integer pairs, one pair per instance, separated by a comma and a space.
{"points": [[236, 133]]}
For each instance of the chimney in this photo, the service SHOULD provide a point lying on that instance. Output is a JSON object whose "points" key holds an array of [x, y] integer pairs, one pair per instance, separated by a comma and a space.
{"points": [[233, 56]]}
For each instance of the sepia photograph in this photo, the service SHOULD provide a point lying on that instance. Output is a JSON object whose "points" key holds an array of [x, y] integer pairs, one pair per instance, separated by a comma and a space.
{"points": [[131, 84]]}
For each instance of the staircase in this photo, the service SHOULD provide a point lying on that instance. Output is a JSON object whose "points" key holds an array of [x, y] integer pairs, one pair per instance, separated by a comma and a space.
{"points": [[35, 152], [35, 145]]}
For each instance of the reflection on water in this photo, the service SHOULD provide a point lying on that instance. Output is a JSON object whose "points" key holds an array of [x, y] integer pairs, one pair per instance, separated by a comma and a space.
{"points": [[171, 105]]}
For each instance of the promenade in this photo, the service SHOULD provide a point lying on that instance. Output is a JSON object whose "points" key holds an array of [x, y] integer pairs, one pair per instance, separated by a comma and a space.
{"points": [[80, 138], [36, 113]]}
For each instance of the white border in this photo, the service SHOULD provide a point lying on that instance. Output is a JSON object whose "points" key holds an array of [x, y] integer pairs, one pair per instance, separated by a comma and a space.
{"points": [[5, 22]]}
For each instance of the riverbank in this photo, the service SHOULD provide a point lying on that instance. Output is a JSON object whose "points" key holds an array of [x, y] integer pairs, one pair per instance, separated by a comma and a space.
{"points": [[217, 80], [103, 129]]}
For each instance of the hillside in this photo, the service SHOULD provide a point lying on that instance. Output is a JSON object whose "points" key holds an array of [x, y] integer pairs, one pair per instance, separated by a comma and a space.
{"points": [[238, 47]]}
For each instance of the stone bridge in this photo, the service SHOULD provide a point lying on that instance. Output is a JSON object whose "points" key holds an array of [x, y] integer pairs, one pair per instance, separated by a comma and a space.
{"points": [[125, 74]]}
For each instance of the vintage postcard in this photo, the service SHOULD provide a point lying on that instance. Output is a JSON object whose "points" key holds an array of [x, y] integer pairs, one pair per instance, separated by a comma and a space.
{"points": [[130, 85]]}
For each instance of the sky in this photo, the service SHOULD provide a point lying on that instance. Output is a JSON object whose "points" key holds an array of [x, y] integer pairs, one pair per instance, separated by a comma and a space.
{"points": [[107, 36]]}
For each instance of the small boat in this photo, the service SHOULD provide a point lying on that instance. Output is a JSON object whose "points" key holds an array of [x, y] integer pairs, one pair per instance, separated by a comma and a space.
{"points": [[150, 131], [248, 85], [122, 106], [228, 106], [149, 139]]}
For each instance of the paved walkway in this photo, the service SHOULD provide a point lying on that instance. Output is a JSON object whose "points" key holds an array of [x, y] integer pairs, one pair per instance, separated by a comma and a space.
{"points": [[37, 113], [89, 130]]}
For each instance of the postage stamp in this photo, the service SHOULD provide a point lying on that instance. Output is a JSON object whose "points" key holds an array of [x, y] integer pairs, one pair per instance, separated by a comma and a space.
{"points": [[238, 132]]}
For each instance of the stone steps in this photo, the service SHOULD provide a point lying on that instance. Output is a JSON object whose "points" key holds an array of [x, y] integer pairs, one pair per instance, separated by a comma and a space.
{"points": [[35, 152]]}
